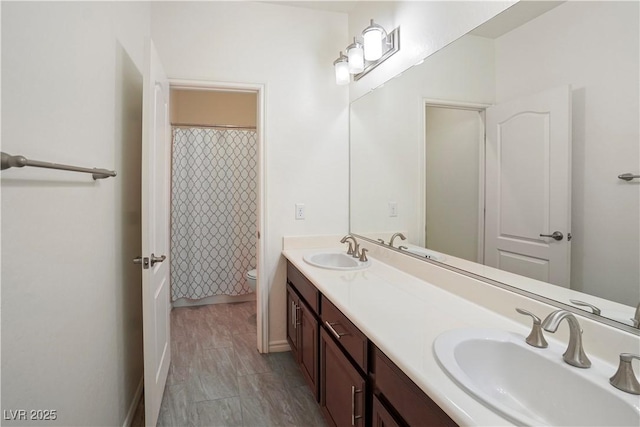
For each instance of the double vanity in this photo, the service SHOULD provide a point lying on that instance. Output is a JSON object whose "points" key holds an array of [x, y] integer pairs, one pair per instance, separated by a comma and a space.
{"points": [[381, 345]]}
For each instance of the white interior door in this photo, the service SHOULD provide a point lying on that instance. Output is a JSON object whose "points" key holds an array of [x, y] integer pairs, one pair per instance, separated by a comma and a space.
{"points": [[528, 188], [156, 306]]}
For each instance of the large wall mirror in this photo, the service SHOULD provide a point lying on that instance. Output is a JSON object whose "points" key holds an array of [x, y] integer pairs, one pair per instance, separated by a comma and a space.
{"points": [[500, 155]]}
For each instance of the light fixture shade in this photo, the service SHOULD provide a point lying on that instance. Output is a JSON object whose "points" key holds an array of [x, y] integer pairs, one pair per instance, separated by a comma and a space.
{"points": [[341, 66], [373, 37], [355, 53]]}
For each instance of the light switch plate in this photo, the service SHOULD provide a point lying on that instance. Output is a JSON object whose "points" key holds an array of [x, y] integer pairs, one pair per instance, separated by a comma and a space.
{"points": [[393, 208]]}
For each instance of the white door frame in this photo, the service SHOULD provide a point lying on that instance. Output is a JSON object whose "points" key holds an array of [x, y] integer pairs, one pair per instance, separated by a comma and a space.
{"points": [[429, 102], [262, 289]]}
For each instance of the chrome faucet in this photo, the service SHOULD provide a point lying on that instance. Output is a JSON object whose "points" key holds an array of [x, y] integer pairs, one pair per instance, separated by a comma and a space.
{"points": [[400, 235], [353, 250], [575, 354]]}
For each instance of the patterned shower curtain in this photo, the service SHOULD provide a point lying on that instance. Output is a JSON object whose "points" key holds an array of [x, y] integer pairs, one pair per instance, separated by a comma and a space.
{"points": [[213, 211]]}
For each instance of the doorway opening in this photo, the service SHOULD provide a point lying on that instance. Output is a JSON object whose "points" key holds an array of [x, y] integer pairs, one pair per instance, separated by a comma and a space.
{"points": [[218, 198], [454, 161]]}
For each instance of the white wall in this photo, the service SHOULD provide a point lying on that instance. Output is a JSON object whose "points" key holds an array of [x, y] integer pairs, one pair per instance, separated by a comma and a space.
{"points": [[71, 298], [425, 28], [290, 50], [598, 55], [387, 134]]}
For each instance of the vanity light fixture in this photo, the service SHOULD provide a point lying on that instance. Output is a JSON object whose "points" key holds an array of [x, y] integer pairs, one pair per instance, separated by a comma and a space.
{"points": [[341, 66], [361, 58]]}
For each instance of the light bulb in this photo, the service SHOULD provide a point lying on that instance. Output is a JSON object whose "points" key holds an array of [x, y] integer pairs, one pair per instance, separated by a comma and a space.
{"points": [[373, 36], [355, 53], [341, 66]]}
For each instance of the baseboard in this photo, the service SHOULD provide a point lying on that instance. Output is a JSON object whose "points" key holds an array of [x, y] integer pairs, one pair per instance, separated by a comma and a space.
{"points": [[216, 299], [278, 346], [134, 404]]}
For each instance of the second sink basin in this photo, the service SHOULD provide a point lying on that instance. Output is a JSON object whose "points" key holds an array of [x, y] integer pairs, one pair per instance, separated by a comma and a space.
{"points": [[335, 261], [532, 386]]}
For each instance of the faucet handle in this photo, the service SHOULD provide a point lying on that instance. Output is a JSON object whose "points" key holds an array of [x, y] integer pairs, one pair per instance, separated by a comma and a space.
{"points": [[363, 255], [381, 241], [624, 378], [595, 310], [536, 337], [636, 317]]}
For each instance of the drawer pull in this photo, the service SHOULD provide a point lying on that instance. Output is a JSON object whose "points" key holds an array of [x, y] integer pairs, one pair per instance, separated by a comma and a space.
{"points": [[333, 331], [293, 314], [354, 417]]}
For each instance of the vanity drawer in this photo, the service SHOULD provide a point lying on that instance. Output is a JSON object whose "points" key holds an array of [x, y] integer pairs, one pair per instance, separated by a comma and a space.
{"points": [[346, 333], [305, 288], [408, 400]]}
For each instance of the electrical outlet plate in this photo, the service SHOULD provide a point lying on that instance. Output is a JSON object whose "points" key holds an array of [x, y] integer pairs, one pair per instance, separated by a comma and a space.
{"points": [[299, 210], [393, 209]]}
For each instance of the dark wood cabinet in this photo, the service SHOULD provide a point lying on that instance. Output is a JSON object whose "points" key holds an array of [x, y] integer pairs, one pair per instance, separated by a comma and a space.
{"points": [[380, 416], [308, 346], [349, 337], [410, 403], [302, 335], [342, 387], [356, 384]]}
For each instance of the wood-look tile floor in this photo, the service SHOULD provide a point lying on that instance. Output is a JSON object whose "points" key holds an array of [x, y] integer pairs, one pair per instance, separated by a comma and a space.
{"points": [[218, 378]]}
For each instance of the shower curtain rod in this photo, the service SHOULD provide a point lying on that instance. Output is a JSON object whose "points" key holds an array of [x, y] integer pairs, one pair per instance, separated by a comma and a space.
{"points": [[187, 125]]}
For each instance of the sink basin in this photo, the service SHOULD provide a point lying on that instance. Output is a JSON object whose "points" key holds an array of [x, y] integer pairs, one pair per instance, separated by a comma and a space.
{"points": [[335, 261], [531, 386]]}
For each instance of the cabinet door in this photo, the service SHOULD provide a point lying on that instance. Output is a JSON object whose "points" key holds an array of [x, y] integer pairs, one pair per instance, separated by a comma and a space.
{"points": [[407, 400], [292, 327], [381, 417], [342, 388], [308, 346]]}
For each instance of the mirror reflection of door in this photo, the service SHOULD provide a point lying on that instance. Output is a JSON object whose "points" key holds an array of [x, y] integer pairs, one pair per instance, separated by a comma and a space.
{"points": [[527, 184], [528, 188], [454, 186]]}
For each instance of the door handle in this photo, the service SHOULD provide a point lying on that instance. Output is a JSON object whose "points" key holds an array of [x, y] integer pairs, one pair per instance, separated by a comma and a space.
{"points": [[556, 235], [144, 261], [155, 259]]}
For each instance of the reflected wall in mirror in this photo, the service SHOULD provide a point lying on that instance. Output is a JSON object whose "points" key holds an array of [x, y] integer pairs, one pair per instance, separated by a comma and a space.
{"points": [[558, 98]]}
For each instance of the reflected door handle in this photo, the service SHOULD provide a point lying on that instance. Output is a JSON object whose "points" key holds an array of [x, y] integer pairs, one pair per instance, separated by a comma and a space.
{"points": [[155, 259], [556, 235]]}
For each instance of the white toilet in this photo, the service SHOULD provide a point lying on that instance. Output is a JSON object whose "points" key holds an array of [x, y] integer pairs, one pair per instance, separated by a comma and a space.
{"points": [[251, 277]]}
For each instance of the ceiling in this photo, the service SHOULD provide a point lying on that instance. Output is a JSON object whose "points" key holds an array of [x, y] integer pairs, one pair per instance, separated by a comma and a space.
{"points": [[327, 5], [513, 17]]}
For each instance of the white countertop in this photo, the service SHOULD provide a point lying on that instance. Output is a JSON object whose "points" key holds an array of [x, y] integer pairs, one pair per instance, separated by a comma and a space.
{"points": [[403, 315]]}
